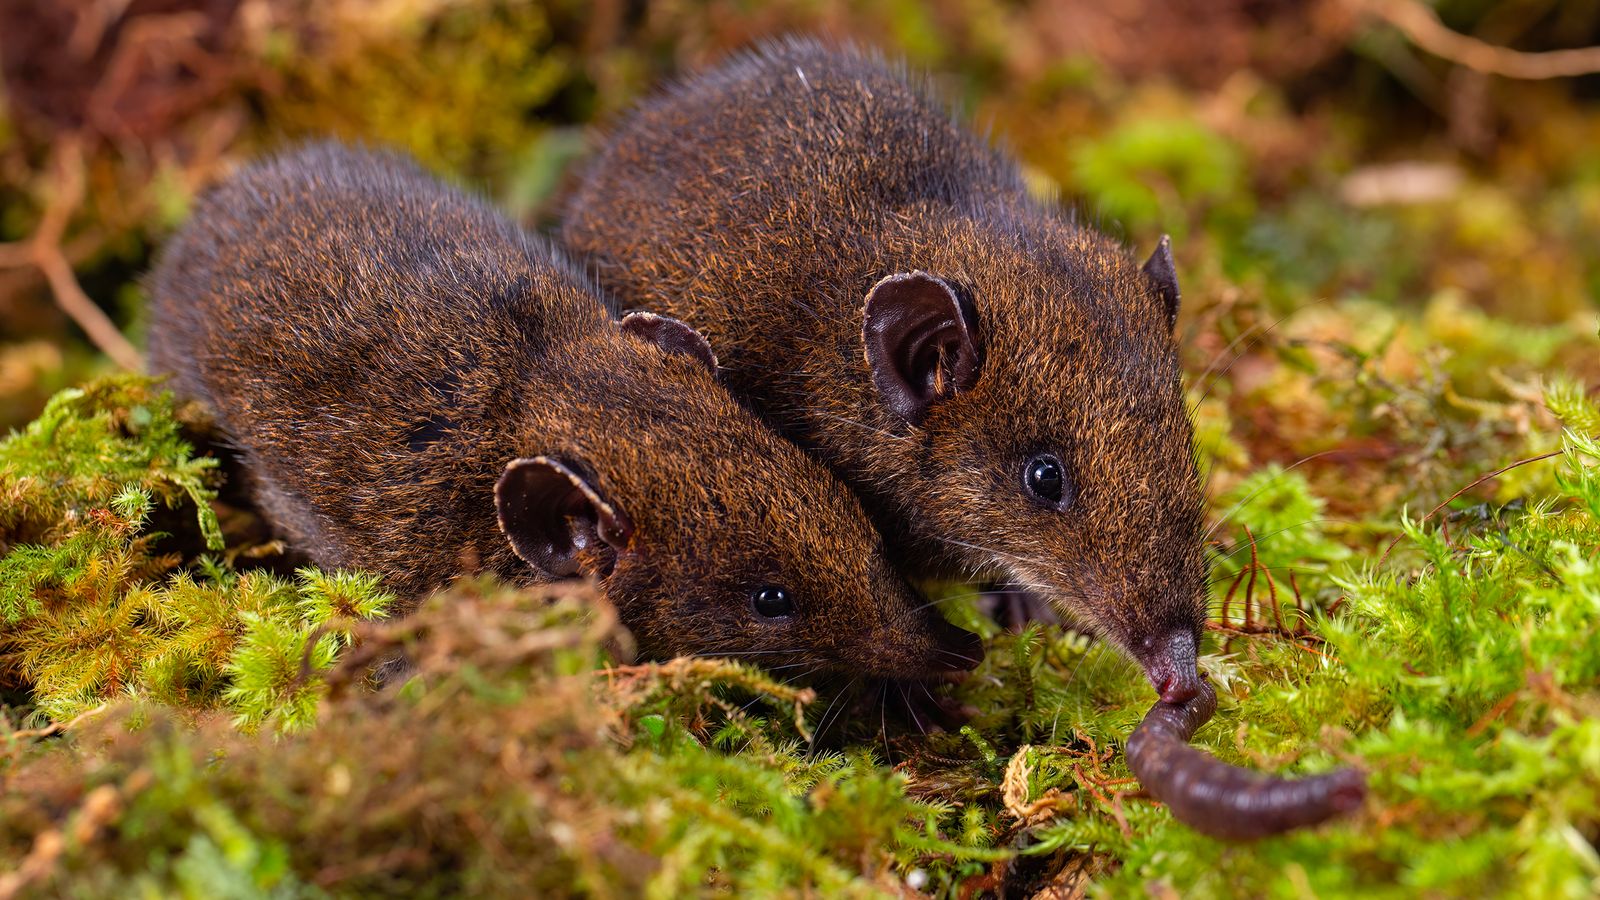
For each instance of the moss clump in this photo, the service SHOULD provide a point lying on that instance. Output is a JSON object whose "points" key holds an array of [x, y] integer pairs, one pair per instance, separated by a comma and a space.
{"points": [[91, 608], [1460, 667], [91, 449], [514, 760], [1463, 673], [1354, 355]]}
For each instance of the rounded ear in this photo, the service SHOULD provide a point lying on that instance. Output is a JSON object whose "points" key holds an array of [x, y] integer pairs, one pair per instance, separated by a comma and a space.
{"points": [[921, 342], [550, 514], [1164, 275], [670, 335]]}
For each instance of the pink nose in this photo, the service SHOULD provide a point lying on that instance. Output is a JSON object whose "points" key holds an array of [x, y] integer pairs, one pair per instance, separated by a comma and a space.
{"points": [[1169, 663], [1178, 691]]}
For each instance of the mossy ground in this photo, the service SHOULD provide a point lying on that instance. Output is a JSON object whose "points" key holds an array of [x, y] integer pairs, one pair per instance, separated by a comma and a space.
{"points": [[1390, 275]]}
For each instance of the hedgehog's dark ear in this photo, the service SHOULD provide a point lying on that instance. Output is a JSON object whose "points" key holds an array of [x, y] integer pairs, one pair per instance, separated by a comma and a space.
{"points": [[921, 342], [1164, 275], [670, 335], [551, 514]]}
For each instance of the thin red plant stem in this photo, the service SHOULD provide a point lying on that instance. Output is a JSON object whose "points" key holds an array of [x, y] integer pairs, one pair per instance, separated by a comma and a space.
{"points": [[1250, 589], [1272, 596], [1299, 606], [1475, 482]]}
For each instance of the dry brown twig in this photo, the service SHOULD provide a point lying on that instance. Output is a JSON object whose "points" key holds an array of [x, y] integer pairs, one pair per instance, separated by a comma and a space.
{"points": [[100, 807], [45, 252], [55, 727], [1422, 27]]}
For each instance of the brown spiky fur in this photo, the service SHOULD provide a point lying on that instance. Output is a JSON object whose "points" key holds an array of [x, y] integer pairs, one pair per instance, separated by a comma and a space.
{"points": [[380, 346], [762, 201]]}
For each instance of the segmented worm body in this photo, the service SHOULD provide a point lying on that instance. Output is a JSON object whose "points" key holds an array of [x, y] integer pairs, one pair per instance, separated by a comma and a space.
{"points": [[1225, 801]]}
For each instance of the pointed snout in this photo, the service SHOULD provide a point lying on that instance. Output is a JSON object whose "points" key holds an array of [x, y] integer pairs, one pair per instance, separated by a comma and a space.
{"points": [[1169, 662], [936, 651], [955, 649], [908, 639]]}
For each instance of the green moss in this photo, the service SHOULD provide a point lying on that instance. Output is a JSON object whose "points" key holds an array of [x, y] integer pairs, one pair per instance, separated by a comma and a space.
{"points": [[459, 88], [1355, 366], [504, 765], [89, 454], [91, 606], [1144, 172]]}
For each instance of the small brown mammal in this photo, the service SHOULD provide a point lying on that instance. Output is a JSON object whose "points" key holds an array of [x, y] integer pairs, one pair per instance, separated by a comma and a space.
{"points": [[999, 385], [414, 381]]}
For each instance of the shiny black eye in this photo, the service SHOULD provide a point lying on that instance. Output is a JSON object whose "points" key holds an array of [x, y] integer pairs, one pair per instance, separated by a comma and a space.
{"points": [[1046, 480], [772, 602]]}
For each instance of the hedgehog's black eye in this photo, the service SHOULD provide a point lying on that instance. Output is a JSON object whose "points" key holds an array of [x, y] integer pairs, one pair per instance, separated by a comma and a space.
{"points": [[1046, 481], [772, 602]]}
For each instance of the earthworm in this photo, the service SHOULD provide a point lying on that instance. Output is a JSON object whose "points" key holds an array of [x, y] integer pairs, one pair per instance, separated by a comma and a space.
{"points": [[1225, 801]]}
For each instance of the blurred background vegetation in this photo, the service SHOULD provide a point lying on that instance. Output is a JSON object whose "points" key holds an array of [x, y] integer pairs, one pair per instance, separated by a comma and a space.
{"points": [[1308, 157], [1387, 222]]}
